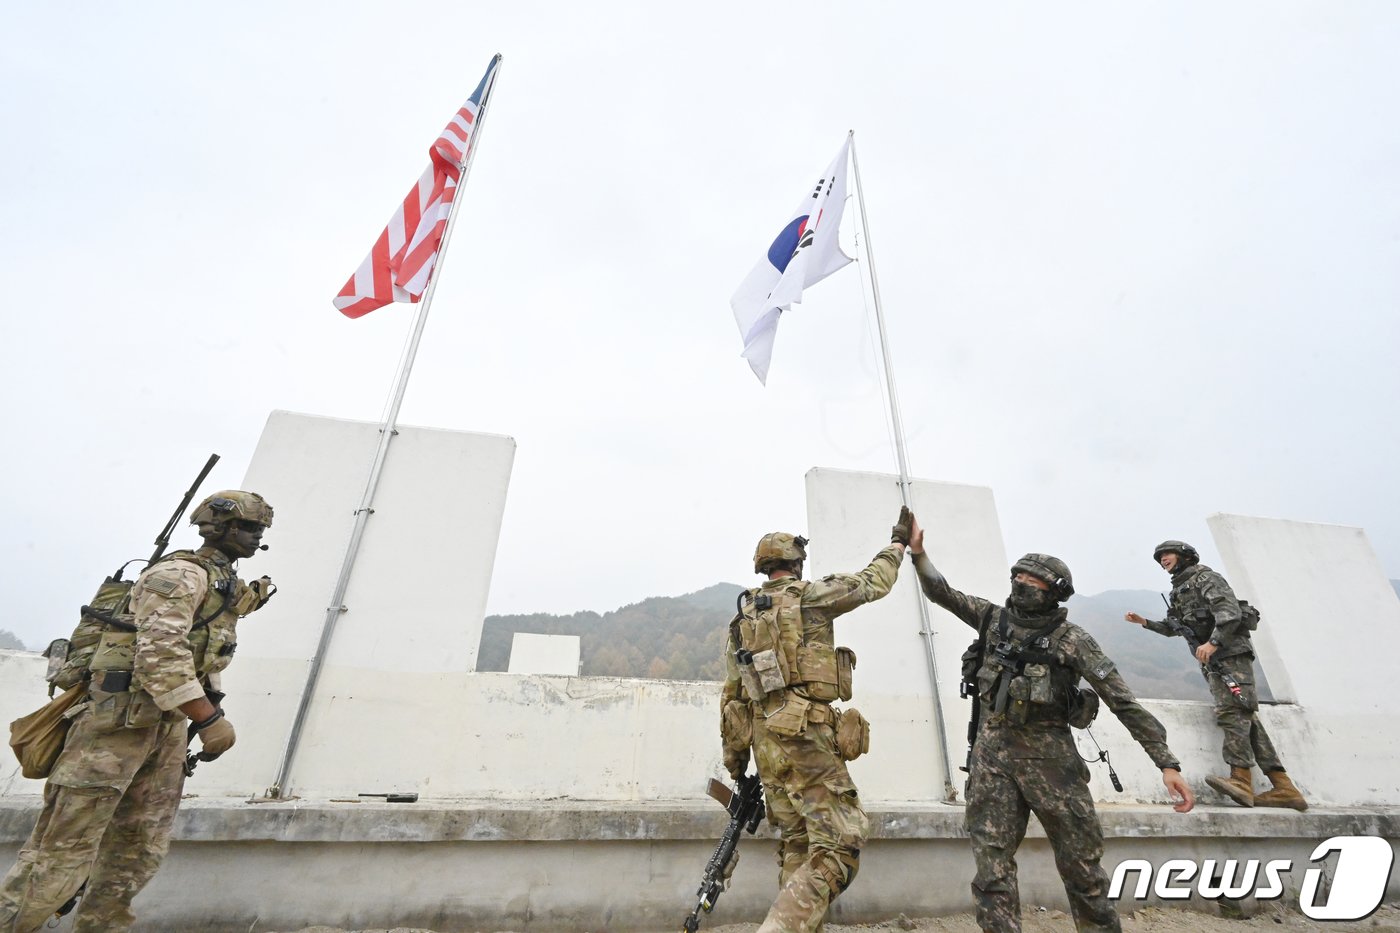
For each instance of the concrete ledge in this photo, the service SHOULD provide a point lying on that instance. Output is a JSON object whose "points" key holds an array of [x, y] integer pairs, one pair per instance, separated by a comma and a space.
{"points": [[571, 865], [225, 820]]}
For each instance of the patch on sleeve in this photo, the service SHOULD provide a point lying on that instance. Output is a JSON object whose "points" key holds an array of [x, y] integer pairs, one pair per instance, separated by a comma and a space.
{"points": [[1102, 671], [161, 585]]}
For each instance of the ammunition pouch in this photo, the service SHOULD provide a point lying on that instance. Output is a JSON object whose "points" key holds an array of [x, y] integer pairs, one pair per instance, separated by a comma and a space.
{"points": [[852, 734], [789, 717], [1250, 616]]}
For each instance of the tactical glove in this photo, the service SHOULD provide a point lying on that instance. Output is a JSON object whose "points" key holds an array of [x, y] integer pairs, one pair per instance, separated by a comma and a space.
{"points": [[903, 528], [216, 738], [736, 763]]}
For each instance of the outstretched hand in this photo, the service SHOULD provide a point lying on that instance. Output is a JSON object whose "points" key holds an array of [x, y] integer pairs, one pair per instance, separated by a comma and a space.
{"points": [[1136, 619], [916, 535], [1179, 791], [899, 534]]}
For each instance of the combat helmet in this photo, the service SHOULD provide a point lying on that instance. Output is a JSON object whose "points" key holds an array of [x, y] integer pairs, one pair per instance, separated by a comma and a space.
{"points": [[1052, 570], [778, 547], [230, 505], [1181, 549]]}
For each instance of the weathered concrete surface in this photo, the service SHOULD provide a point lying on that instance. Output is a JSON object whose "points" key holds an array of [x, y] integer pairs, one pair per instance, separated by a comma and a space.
{"points": [[574, 865]]}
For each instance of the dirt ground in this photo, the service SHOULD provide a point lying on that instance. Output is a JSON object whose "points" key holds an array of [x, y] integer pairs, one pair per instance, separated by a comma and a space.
{"points": [[1040, 920]]}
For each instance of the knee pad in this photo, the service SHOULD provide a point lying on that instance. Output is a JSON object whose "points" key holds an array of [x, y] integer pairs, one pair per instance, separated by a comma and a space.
{"points": [[837, 868]]}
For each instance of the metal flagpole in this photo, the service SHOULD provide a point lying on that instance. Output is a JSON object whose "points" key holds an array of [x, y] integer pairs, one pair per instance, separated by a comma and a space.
{"points": [[925, 624], [386, 434]]}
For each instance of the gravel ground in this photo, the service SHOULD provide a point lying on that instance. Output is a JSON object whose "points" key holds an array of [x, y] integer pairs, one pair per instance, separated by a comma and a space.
{"points": [[1040, 920]]}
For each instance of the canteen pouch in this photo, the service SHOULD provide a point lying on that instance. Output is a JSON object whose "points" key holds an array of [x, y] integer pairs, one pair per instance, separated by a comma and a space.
{"points": [[790, 719], [852, 734]]}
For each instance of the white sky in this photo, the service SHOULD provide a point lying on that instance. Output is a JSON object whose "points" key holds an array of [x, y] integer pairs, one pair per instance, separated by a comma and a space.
{"points": [[1139, 264]]}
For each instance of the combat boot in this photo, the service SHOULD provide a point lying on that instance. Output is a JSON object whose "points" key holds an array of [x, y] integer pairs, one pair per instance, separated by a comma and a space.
{"points": [[1284, 793], [1239, 786]]}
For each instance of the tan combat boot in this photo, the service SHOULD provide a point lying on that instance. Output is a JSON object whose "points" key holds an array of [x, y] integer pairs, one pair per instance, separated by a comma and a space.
{"points": [[1239, 786], [1284, 793]]}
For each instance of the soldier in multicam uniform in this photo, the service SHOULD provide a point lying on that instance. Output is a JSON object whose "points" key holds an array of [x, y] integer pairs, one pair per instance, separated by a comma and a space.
{"points": [[1029, 660], [784, 671], [111, 799], [1203, 601]]}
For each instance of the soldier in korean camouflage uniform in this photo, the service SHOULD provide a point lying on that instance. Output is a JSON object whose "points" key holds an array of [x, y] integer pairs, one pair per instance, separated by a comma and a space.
{"points": [[111, 798], [801, 743], [1204, 602], [1029, 660]]}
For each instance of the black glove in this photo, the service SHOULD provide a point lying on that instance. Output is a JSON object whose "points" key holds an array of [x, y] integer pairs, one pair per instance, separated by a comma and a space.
{"points": [[903, 528]]}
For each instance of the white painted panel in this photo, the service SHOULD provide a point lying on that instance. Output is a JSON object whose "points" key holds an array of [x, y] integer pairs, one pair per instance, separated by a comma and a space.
{"points": [[1329, 639], [849, 515], [544, 654]]}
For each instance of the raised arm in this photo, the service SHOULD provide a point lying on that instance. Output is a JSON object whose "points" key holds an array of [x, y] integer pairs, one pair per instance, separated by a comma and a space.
{"points": [[970, 609]]}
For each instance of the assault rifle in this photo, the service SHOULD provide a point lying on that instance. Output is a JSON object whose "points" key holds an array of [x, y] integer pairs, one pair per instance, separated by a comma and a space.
{"points": [[1179, 627], [745, 813]]}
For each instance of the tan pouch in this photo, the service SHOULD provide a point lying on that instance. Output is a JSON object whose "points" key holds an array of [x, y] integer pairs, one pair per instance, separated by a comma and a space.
{"points": [[736, 726], [816, 670], [37, 739], [141, 711], [790, 718], [852, 734], [769, 671], [116, 651], [845, 667]]}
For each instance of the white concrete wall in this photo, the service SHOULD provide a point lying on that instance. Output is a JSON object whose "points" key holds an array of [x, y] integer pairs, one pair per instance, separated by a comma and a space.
{"points": [[849, 516], [417, 598], [1329, 639], [544, 654]]}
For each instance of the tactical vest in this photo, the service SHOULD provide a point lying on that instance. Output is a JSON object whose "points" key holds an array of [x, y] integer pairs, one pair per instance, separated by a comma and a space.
{"points": [[778, 652], [105, 638], [1022, 682], [1190, 605]]}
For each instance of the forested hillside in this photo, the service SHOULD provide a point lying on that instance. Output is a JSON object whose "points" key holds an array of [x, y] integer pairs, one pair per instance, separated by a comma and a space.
{"points": [[682, 638]]}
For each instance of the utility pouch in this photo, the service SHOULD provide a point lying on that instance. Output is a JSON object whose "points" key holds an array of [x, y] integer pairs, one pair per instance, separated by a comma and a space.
{"points": [[1250, 616], [1040, 688], [790, 719], [245, 599], [38, 738], [109, 708], [987, 677], [57, 654], [1083, 707], [748, 677], [845, 666], [817, 671], [1018, 694], [141, 711], [116, 651], [852, 734], [736, 726], [769, 671]]}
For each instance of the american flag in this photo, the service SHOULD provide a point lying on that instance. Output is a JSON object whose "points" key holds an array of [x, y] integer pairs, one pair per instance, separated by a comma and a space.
{"points": [[401, 263]]}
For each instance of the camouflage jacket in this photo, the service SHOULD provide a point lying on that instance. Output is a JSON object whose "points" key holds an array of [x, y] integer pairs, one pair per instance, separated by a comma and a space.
{"points": [[1204, 601], [176, 660], [822, 601], [1075, 650]]}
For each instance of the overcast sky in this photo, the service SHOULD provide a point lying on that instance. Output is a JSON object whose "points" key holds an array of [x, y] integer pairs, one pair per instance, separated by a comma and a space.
{"points": [[1138, 262]]}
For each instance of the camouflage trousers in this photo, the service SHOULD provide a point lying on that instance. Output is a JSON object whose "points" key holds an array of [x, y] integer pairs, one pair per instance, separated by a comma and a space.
{"points": [[811, 800], [108, 809], [1246, 741], [1016, 771]]}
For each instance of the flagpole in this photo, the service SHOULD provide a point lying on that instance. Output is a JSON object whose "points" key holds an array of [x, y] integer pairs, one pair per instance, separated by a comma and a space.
{"points": [[387, 430], [925, 623]]}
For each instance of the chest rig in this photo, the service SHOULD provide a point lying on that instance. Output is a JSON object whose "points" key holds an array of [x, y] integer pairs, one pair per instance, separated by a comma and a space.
{"points": [[777, 651], [104, 644], [1025, 681]]}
